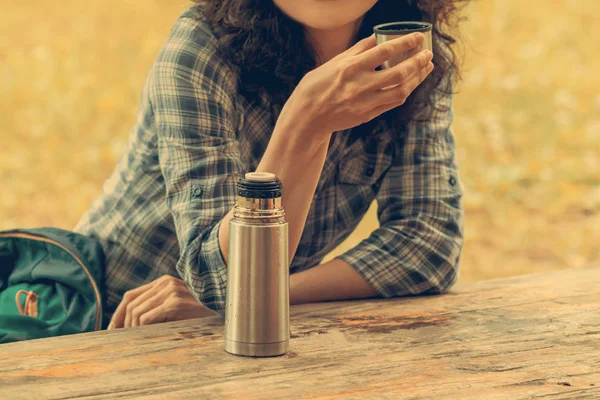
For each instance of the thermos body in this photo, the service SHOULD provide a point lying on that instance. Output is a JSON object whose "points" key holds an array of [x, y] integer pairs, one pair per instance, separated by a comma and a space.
{"points": [[257, 304]]}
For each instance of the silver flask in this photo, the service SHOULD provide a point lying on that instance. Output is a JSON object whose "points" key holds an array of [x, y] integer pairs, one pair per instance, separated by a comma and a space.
{"points": [[257, 313]]}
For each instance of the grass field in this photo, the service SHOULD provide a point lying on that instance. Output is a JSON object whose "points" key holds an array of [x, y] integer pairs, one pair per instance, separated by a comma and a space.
{"points": [[527, 120]]}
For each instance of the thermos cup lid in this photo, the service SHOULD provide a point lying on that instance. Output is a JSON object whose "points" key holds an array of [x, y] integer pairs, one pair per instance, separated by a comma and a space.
{"points": [[260, 176], [260, 185]]}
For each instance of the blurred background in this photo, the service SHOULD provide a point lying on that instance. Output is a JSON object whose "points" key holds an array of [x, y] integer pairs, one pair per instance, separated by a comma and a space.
{"points": [[527, 120]]}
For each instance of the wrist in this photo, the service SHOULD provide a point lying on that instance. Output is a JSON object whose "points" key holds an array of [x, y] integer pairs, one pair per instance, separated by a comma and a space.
{"points": [[298, 143], [300, 125], [296, 163]]}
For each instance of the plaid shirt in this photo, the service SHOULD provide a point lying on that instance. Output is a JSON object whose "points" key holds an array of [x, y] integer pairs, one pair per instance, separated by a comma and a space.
{"points": [[159, 213]]}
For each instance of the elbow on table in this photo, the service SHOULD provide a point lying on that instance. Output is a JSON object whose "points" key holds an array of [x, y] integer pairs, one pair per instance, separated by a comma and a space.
{"points": [[435, 275], [447, 277], [441, 266], [444, 269]]}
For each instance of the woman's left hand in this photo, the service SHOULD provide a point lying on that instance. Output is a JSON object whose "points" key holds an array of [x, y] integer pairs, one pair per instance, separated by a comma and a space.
{"points": [[163, 300]]}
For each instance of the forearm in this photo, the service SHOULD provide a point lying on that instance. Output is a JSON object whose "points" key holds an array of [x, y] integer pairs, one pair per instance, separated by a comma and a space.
{"points": [[299, 168], [298, 163], [334, 280]]}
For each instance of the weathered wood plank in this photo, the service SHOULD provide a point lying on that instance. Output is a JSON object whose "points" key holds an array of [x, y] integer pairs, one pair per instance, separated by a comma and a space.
{"points": [[532, 337]]}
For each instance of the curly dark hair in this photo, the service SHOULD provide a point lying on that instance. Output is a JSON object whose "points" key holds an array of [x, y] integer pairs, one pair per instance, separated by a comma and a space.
{"points": [[273, 55]]}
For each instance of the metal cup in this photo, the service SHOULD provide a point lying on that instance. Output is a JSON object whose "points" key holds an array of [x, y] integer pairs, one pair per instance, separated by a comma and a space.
{"points": [[392, 30]]}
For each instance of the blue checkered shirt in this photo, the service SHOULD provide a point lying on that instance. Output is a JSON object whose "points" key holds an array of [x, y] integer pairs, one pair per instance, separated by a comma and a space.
{"points": [[159, 213]]}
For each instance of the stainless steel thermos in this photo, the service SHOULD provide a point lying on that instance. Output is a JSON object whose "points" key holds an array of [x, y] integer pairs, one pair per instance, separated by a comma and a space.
{"points": [[257, 321], [392, 30]]}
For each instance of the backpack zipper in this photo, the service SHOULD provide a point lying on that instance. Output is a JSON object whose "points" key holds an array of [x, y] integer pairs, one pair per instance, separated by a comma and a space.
{"points": [[57, 244]]}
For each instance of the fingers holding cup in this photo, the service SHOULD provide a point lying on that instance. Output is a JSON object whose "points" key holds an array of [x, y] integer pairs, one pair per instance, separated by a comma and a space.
{"points": [[388, 32]]}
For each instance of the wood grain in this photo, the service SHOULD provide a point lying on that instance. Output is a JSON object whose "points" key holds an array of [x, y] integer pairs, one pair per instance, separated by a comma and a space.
{"points": [[528, 337]]}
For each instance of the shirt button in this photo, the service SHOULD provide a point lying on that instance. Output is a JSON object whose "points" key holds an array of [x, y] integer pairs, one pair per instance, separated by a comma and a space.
{"points": [[452, 181], [197, 192], [370, 170]]}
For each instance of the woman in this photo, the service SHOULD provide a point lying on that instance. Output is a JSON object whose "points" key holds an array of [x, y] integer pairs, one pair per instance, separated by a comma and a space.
{"points": [[289, 87]]}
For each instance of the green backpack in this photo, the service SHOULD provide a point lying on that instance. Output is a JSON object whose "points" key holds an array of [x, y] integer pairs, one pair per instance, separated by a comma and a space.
{"points": [[51, 281]]}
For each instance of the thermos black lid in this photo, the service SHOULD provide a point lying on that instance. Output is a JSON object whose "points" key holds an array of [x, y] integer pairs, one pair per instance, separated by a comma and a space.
{"points": [[260, 185]]}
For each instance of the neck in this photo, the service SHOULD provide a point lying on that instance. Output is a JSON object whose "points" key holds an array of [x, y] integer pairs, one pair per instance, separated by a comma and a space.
{"points": [[328, 43]]}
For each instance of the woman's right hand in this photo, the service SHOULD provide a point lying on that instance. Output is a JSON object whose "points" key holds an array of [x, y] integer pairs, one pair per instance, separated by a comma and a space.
{"points": [[347, 90]]}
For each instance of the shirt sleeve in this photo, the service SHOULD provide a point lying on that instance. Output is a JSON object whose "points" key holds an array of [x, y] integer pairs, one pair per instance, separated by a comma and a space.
{"points": [[417, 248], [190, 91]]}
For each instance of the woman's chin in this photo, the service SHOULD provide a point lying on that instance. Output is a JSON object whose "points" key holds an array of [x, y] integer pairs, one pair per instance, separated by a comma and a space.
{"points": [[325, 14]]}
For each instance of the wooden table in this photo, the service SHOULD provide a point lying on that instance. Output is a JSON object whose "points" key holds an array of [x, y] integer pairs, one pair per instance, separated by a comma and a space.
{"points": [[534, 337]]}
